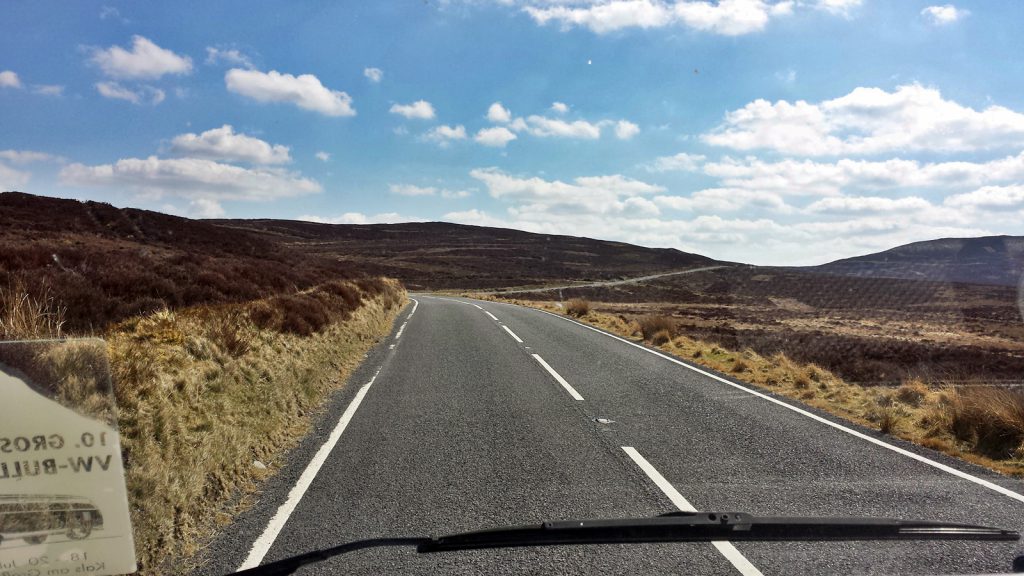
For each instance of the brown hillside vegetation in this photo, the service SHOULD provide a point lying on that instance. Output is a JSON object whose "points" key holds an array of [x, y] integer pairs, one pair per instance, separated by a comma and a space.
{"points": [[866, 330], [438, 255], [104, 264], [995, 260]]}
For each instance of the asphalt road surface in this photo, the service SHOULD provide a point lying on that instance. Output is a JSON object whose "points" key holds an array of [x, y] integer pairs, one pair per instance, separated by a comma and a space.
{"points": [[480, 414]]}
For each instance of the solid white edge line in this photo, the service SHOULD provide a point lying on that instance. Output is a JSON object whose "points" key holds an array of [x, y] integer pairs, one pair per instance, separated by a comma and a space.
{"points": [[262, 544], [512, 334], [734, 556], [924, 460], [399, 333], [415, 304], [572, 391], [493, 317]]}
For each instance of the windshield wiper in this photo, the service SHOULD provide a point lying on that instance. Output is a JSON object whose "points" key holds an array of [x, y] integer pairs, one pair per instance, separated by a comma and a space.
{"points": [[672, 527]]}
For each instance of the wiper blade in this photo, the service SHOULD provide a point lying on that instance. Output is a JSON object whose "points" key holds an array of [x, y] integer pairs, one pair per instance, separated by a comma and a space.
{"points": [[710, 526], [672, 527]]}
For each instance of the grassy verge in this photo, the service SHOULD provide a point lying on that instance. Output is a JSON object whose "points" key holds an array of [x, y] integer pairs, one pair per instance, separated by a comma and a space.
{"points": [[980, 424], [210, 399]]}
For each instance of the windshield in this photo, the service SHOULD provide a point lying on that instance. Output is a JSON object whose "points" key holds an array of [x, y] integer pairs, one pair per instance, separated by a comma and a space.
{"points": [[417, 268]]}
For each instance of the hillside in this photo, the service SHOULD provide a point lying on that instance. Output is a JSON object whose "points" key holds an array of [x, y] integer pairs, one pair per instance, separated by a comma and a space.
{"points": [[997, 260], [105, 264], [439, 255]]}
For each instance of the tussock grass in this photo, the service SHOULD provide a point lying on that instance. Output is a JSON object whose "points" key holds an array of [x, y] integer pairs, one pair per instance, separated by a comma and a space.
{"points": [[989, 419], [912, 392], [205, 393], [653, 325], [981, 424], [660, 337], [24, 316], [577, 307]]}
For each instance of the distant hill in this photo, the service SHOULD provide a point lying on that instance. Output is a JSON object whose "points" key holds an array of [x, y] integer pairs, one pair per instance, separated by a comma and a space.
{"points": [[996, 260], [439, 255]]}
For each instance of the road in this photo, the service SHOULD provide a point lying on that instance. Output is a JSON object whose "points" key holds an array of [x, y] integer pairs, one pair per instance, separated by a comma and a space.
{"points": [[603, 283], [480, 414]]}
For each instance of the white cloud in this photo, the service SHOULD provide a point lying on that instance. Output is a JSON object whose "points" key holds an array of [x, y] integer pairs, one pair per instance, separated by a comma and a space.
{"points": [[360, 218], [111, 13], [990, 198], [715, 200], [11, 179], [545, 127], [682, 162], [225, 144], [305, 91], [624, 130], [943, 15], [869, 121], [141, 95], [614, 194], [230, 56], [48, 89], [499, 114], [413, 190], [374, 75], [27, 156], [191, 178], [420, 110], [618, 208], [787, 76], [840, 7], [9, 79], [496, 136], [868, 205], [145, 60], [322, 156], [444, 135], [205, 208], [725, 17], [807, 177]]}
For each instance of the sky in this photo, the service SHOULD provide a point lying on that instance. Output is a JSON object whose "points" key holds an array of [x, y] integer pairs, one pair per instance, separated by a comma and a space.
{"points": [[782, 132]]}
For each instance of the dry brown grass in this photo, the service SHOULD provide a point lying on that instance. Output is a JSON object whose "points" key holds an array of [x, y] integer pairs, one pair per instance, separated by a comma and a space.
{"points": [[203, 393], [26, 317], [888, 418], [652, 325], [577, 307], [912, 392], [739, 366], [983, 425], [660, 337], [989, 419]]}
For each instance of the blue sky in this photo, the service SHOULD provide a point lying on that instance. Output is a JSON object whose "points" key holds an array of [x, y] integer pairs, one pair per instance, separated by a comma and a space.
{"points": [[771, 132]]}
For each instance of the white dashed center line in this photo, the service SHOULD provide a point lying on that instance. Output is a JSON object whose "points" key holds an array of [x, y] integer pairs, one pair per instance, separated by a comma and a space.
{"points": [[512, 334], [726, 548], [572, 391]]}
